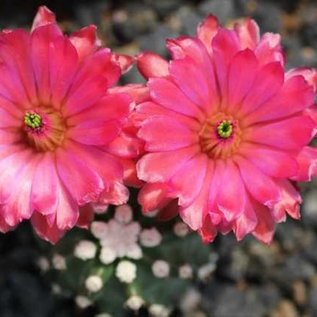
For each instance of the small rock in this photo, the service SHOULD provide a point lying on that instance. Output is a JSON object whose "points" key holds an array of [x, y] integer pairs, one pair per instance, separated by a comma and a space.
{"points": [[155, 41], [313, 301], [285, 308], [223, 9], [299, 292], [134, 20], [225, 300], [309, 210], [189, 20]]}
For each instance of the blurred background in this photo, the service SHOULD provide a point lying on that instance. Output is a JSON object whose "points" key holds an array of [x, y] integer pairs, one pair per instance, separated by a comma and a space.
{"points": [[251, 279]]}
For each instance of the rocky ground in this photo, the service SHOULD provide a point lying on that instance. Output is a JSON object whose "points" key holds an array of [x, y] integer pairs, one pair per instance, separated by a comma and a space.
{"points": [[251, 279]]}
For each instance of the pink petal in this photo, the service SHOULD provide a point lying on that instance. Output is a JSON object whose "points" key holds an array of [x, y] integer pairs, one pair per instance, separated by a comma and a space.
{"points": [[67, 212], [13, 160], [149, 109], [232, 186], [310, 75], [107, 166], [248, 33], [153, 196], [268, 81], [8, 120], [138, 92], [42, 51], [192, 50], [18, 207], [287, 134], [161, 133], [83, 184], [126, 145], [130, 177], [85, 95], [289, 203], [43, 16], [44, 230], [85, 41], [295, 96], [207, 30], [114, 106], [261, 187], [240, 82], [86, 216], [269, 49], [264, 230], [125, 62], [152, 65], [225, 45], [117, 194], [95, 132], [16, 63], [188, 181], [62, 69], [167, 94], [246, 222], [161, 166], [208, 231], [191, 80], [307, 161], [96, 74], [44, 196], [270, 161], [194, 213]]}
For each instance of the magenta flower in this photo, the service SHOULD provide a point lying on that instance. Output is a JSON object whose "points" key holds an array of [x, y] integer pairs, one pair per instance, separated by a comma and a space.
{"points": [[223, 129], [60, 127]]}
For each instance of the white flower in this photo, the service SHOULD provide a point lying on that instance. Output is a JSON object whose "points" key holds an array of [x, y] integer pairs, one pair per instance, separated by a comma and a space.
{"points": [[157, 310], [150, 237], [135, 252], [152, 214], [185, 271], [100, 208], [126, 271], [181, 229], [205, 271], [94, 283], [103, 315], [85, 250], [107, 255], [56, 289], [99, 229], [190, 301], [160, 269], [82, 301], [135, 302], [43, 264], [123, 214], [122, 238], [58, 262]]}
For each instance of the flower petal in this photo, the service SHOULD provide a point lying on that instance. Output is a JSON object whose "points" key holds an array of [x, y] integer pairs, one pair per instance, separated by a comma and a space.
{"points": [[152, 65], [161, 133], [161, 166]]}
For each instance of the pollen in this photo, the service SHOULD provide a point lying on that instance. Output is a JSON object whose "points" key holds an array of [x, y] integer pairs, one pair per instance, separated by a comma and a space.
{"points": [[33, 120], [225, 129]]}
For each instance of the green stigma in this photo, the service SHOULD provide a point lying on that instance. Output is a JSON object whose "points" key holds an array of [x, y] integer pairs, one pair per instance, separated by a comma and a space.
{"points": [[225, 129], [32, 120]]}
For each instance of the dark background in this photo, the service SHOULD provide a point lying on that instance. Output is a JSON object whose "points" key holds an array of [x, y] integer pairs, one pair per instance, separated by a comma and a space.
{"points": [[251, 279]]}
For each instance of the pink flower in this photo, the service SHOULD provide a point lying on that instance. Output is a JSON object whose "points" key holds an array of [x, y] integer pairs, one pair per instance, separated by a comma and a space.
{"points": [[223, 129], [60, 128]]}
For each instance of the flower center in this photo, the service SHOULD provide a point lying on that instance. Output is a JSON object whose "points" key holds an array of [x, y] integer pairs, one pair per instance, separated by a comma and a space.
{"points": [[225, 129], [32, 120], [220, 136], [44, 129]]}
